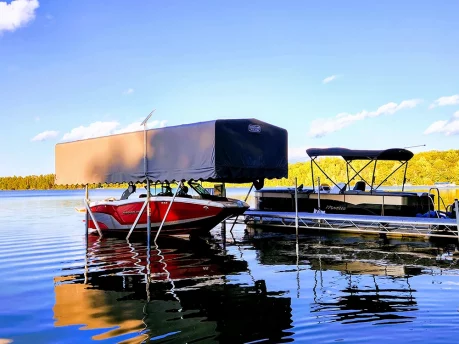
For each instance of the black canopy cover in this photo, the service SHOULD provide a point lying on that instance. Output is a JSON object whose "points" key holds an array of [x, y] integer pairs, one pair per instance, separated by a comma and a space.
{"points": [[395, 154], [226, 150]]}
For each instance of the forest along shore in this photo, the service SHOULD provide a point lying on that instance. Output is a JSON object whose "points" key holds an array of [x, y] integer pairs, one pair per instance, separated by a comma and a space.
{"points": [[424, 169]]}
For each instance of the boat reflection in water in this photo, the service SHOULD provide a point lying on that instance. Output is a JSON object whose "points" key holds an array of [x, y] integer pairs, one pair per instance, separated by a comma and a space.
{"points": [[355, 280], [188, 295]]}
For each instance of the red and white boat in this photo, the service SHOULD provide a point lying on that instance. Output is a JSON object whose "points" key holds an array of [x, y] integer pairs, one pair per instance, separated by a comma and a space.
{"points": [[188, 214], [218, 151]]}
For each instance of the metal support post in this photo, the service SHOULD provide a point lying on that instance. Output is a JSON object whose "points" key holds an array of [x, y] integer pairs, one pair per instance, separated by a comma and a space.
{"points": [[88, 209], [86, 199], [148, 215], [318, 193], [167, 211], [456, 208], [296, 206], [137, 218], [245, 200]]}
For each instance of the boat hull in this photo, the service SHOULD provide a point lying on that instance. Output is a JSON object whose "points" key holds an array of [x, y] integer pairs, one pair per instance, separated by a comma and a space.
{"points": [[186, 216], [365, 203]]}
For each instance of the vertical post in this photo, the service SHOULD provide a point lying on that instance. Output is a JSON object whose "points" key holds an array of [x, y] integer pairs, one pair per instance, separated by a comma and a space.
{"points": [[318, 193], [86, 199], [456, 208], [297, 248], [296, 205], [167, 211], [224, 195], [347, 174], [148, 216], [373, 178], [312, 173]]}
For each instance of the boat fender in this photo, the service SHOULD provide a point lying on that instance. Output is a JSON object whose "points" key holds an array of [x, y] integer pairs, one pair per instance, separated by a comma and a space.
{"points": [[259, 183]]}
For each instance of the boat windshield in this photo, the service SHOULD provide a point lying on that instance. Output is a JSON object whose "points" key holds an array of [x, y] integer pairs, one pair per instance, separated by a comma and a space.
{"points": [[199, 189]]}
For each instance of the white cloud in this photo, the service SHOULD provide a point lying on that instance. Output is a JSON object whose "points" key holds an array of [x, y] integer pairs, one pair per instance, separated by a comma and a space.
{"points": [[324, 126], [129, 91], [46, 135], [446, 127], [16, 14], [443, 101], [136, 126], [93, 130], [296, 153], [99, 128], [329, 79]]}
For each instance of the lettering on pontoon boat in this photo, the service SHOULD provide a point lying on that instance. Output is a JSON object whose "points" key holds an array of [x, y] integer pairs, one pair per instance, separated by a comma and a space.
{"points": [[254, 128], [130, 212], [331, 207]]}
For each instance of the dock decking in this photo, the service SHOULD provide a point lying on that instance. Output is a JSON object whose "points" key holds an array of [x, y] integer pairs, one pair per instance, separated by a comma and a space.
{"points": [[391, 225]]}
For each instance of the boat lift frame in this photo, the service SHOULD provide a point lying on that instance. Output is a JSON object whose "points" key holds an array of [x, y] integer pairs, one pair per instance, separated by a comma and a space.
{"points": [[146, 204], [392, 225]]}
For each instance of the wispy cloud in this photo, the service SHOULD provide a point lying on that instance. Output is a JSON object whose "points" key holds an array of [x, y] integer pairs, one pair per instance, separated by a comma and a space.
{"points": [[446, 127], [16, 14], [37, 119], [100, 128], [129, 91], [329, 79], [443, 101], [46, 135], [324, 126]]}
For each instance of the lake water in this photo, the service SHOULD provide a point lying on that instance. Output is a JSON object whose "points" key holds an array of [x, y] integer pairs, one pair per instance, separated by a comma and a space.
{"points": [[253, 287]]}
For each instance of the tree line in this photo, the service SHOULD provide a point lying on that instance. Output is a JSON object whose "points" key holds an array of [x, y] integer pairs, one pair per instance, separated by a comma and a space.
{"points": [[424, 168]]}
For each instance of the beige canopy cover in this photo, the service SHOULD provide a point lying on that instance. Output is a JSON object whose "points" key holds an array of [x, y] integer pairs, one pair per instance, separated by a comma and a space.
{"points": [[230, 150]]}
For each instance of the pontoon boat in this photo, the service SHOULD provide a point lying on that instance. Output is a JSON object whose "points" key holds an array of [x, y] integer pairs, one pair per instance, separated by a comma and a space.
{"points": [[361, 197]]}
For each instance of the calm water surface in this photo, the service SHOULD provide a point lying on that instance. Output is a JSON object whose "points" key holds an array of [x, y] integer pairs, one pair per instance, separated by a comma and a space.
{"points": [[248, 287]]}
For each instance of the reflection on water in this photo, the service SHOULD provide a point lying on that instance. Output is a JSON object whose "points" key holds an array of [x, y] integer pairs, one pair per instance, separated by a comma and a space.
{"points": [[357, 280], [183, 294], [257, 287]]}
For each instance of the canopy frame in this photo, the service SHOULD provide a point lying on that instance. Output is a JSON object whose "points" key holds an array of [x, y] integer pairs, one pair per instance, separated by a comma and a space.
{"points": [[373, 156]]}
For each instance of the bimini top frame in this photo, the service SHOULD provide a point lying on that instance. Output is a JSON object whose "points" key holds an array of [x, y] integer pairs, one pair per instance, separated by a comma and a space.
{"points": [[372, 156]]}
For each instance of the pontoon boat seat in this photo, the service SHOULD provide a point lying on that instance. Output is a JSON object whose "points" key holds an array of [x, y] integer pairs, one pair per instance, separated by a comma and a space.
{"points": [[339, 188], [359, 186]]}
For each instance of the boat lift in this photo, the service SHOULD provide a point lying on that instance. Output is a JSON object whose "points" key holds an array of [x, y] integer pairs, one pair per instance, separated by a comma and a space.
{"points": [[146, 204], [371, 224]]}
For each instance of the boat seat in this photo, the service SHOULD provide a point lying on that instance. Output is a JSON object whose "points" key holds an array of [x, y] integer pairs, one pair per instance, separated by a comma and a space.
{"points": [[359, 186], [339, 188]]}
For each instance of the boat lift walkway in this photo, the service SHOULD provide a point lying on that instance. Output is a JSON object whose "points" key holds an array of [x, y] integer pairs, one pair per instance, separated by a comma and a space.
{"points": [[392, 225]]}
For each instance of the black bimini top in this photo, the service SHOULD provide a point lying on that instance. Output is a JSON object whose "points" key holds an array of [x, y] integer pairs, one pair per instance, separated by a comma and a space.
{"points": [[394, 154]]}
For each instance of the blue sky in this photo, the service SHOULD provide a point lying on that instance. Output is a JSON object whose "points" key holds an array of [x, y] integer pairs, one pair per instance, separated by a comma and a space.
{"points": [[72, 69]]}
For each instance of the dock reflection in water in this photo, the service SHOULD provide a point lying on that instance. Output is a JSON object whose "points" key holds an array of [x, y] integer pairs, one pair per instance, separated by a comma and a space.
{"points": [[354, 280], [187, 297]]}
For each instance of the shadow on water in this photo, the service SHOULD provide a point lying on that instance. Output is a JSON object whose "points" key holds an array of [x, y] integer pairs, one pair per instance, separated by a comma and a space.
{"points": [[184, 294]]}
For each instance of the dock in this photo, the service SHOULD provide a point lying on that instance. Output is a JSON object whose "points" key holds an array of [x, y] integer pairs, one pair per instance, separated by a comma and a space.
{"points": [[388, 225]]}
